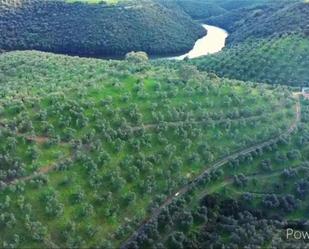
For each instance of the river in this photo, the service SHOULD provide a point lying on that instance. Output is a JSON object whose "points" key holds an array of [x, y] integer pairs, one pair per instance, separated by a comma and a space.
{"points": [[211, 43]]}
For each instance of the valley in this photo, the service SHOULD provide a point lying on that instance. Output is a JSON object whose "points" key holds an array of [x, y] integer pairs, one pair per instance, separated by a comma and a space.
{"points": [[195, 137]]}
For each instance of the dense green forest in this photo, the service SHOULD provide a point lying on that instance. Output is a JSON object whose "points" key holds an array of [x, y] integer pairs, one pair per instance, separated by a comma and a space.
{"points": [[91, 148], [266, 43], [197, 9], [260, 18], [201, 9], [82, 28], [279, 60], [276, 19]]}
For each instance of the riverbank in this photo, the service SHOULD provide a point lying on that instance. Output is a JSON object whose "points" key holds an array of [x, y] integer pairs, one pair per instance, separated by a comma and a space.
{"points": [[212, 42]]}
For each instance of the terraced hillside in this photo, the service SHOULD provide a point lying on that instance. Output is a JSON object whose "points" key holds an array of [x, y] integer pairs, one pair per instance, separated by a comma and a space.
{"points": [[90, 149]]}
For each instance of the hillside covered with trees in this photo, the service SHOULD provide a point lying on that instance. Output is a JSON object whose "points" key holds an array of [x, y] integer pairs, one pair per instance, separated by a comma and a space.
{"points": [[197, 9], [203, 10], [276, 19], [266, 44], [91, 148], [139, 153], [96, 29], [279, 60], [249, 204], [262, 16]]}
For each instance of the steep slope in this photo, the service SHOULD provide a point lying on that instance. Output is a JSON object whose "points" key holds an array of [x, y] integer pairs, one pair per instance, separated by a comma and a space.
{"points": [[262, 19], [263, 193], [230, 20], [202, 10], [280, 60], [197, 9], [90, 148], [269, 44], [274, 20], [95, 29], [240, 4]]}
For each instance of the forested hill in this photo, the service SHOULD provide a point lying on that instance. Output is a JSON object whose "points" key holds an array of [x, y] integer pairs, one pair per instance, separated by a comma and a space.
{"points": [[265, 21], [283, 60], [96, 29], [267, 43], [291, 18], [203, 9], [91, 148], [197, 9]]}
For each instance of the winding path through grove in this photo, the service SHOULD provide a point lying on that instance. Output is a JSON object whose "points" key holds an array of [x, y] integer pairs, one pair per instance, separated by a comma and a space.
{"points": [[218, 164]]}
